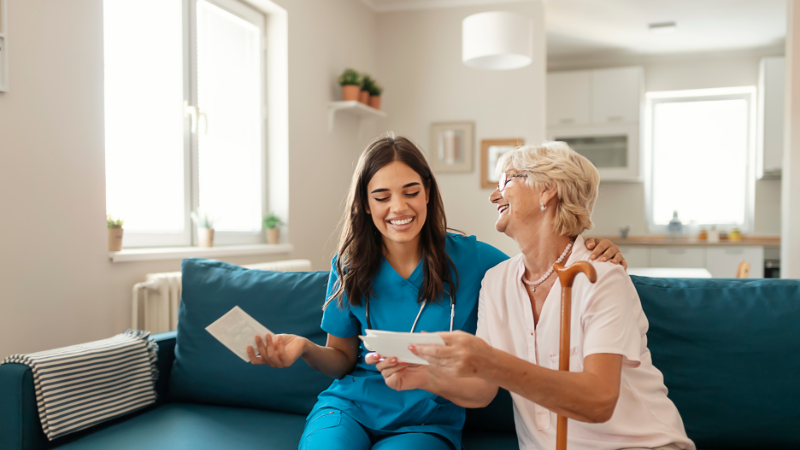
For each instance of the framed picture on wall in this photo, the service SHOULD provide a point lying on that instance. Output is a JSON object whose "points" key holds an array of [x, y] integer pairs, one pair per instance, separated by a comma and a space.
{"points": [[451, 147], [491, 151]]}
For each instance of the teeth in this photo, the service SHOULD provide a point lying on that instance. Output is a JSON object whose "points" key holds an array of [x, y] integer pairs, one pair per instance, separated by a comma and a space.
{"points": [[503, 208], [401, 222]]}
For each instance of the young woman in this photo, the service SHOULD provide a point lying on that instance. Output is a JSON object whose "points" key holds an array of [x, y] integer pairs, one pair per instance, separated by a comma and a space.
{"points": [[397, 269]]}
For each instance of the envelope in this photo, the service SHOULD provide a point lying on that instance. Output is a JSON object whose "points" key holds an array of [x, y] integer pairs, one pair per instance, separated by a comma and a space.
{"points": [[393, 344], [236, 330]]}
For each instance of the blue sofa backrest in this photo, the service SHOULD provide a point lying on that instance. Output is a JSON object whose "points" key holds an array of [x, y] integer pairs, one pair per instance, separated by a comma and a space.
{"points": [[729, 351], [205, 371], [730, 354]]}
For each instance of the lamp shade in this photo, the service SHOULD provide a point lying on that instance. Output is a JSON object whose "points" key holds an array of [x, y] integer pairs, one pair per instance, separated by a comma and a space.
{"points": [[497, 40]]}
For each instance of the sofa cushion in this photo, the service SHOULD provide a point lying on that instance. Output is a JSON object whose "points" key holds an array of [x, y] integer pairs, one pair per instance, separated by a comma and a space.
{"points": [[728, 350], [205, 371], [498, 416], [196, 427]]}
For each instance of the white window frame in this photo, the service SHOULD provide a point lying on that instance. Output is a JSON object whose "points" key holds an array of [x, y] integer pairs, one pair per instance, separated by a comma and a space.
{"points": [[189, 236], [257, 18], [747, 93]]}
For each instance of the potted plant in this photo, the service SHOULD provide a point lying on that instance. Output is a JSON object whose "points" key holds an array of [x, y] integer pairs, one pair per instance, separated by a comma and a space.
{"points": [[114, 233], [366, 84], [350, 81], [375, 95], [205, 228], [271, 223]]}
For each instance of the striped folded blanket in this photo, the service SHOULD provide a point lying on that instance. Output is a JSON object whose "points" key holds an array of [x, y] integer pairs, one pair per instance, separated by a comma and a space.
{"points": [[82, 385]]}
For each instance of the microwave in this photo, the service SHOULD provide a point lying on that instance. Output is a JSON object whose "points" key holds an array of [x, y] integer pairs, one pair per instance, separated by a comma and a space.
{"points": [[614, 150]]}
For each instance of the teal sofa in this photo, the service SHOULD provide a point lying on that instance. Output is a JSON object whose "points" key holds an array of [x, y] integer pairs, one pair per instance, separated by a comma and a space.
{"points": [[729, 351]]}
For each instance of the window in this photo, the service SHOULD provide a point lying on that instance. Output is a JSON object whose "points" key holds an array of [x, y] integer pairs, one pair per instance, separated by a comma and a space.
{"points": [[184, 119], [700, 148]]}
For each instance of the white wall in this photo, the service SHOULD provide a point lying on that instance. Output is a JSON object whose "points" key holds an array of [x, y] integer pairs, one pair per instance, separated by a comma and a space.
{"points": [[622, 204], [58, 286], [790, 208], [420, 61]]}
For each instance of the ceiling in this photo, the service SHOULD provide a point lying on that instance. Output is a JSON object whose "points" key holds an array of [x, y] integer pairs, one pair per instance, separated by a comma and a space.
{"points": [[578, 28]]}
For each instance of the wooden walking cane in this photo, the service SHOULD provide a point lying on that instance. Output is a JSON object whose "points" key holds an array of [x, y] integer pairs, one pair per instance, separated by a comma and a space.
{"points": [[567, 276]]}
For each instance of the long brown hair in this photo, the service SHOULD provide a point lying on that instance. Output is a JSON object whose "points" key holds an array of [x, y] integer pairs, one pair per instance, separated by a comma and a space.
{"points": [[361, 243]]}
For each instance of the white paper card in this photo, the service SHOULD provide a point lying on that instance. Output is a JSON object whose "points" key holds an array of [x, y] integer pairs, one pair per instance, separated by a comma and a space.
{"points": [[236, 330], [391, 344]]}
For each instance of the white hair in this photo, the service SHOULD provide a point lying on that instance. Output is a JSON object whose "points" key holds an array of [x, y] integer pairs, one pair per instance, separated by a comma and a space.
{"points": [[555, 164]]}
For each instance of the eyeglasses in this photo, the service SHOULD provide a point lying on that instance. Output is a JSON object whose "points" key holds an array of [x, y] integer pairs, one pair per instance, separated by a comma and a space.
{"points": [[505, 178]]}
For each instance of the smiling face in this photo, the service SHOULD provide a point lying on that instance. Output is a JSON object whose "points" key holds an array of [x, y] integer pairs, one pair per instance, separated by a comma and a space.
{"points": [[518, 206], [398, 203]]}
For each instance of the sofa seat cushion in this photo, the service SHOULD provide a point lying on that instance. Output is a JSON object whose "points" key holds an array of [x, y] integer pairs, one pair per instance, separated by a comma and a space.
{"points": [[489, 440], [179, 426]]}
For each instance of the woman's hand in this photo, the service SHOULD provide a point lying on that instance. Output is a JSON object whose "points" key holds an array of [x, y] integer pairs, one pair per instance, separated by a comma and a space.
{"points": [[281, 351], [463, 354], [605, 250], [399, 376]]}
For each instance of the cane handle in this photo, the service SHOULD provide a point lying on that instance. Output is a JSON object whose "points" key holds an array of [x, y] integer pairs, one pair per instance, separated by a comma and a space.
{"points": [[567, 274]]}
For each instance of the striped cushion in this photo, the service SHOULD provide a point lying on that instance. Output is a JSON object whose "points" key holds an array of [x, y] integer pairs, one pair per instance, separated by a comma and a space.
{"points": [[82, 385]]}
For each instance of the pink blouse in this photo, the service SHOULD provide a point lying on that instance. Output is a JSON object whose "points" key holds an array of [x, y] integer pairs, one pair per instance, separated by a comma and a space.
{"points": [[607, 317]]}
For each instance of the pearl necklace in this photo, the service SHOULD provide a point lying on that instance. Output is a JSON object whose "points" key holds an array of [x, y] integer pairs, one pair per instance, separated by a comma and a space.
{"points": [[534, 284]]}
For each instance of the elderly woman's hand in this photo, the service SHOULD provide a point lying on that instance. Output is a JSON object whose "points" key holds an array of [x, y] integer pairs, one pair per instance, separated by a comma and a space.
{"points": [[463, 354], [605, 250], [399, 376]]}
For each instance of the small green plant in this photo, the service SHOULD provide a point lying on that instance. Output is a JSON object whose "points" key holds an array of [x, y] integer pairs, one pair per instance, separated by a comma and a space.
{"points": [[272, 221], [375, 90], [202, 220], [350, 77], [114, 223], [367, 83]]}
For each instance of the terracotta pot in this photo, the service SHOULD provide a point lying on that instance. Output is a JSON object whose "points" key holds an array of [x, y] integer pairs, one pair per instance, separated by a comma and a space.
{"points": [[364, 97], [350, 92], [375, 101], [273, 235], [205, 237], [114, 239]]}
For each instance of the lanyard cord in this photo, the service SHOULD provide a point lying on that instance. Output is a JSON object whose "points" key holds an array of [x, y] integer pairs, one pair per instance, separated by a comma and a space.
{"points": [[452, 314]]}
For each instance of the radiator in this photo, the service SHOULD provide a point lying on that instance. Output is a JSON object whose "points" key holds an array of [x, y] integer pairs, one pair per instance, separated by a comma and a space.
{"points": [[160, 295]]}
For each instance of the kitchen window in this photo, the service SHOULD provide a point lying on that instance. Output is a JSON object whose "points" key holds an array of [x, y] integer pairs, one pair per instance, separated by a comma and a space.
{"points": [[699, 158], [185, 119]]}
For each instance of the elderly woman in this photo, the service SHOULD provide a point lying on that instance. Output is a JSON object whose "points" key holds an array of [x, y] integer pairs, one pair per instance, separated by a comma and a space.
{"points": [[614, 395]]}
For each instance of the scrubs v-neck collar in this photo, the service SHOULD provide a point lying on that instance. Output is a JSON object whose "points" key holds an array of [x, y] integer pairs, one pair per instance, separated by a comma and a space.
{"points": [[414, 280]]}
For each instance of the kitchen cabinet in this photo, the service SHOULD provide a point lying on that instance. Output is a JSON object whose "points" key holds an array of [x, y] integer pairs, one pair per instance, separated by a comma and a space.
{"points": [[769, 141], [617, 95], [597, 112], [678, 256], [568, 98], [635, 255], [723, 262]]}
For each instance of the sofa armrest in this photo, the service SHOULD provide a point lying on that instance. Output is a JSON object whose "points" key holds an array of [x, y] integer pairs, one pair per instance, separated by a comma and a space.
{"points": [[166, 356], [20, 427]]}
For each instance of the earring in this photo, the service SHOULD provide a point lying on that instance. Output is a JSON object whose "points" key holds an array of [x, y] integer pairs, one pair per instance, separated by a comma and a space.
{"points": [[543, 207]]}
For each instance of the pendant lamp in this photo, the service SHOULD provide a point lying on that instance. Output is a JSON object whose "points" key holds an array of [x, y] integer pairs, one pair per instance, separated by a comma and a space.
{"points": [[497, 40]]}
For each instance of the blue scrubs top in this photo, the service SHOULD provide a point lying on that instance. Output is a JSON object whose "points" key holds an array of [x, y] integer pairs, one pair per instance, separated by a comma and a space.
{"points": [[363, 394]]}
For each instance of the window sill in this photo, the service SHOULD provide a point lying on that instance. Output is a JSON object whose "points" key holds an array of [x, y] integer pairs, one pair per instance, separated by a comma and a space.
{"points": [[161, 253]]}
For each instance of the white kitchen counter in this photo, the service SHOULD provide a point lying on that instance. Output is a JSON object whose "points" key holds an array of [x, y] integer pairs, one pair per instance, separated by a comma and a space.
{"points": [[669, 272]]}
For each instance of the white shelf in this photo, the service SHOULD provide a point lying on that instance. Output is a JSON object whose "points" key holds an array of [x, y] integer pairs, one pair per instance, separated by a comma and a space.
{"points": [[352, 107], [152, 254]]}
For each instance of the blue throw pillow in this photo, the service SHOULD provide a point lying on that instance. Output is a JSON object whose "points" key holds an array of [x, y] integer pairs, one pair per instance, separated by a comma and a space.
{"points": [[730, 354], [205, 371]]}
